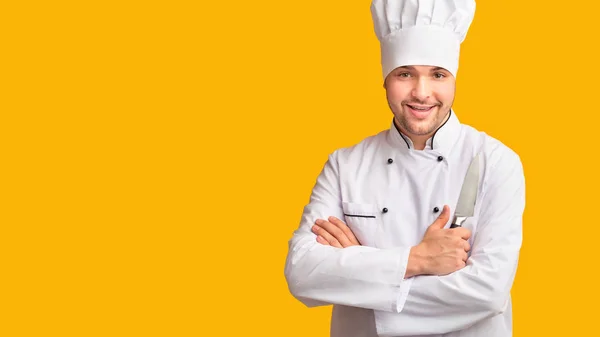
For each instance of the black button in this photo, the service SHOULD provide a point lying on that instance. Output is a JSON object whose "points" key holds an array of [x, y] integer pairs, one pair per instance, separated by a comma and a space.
{"points": [[390, 161], [440, 158], [435, 209], [385, 210]]}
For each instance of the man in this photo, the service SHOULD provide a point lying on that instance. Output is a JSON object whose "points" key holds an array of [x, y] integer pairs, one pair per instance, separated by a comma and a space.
{"points": [[375, 239]]}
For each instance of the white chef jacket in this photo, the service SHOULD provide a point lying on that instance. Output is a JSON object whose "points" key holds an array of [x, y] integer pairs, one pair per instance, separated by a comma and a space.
{"points": [[366, 283]]}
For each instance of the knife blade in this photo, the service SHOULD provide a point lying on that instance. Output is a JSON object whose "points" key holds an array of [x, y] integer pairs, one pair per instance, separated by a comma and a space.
{"points": [[468, 194]]}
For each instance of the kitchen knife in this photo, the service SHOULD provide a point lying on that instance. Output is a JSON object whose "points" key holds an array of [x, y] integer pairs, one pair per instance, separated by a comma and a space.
{"points": [[468, 194]]}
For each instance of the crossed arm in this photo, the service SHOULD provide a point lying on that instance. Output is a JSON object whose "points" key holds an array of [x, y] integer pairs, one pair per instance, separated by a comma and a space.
{"points": [[408, 295]]}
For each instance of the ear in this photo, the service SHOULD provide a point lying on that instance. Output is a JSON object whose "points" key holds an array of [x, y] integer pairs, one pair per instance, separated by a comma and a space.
{"points": [[385, 80]]}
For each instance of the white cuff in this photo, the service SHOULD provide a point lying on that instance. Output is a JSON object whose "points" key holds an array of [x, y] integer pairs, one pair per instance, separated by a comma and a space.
{"points": [[405, 284]]}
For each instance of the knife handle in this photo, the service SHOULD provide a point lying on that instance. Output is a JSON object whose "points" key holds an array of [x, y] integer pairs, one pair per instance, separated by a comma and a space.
{"points": [[455, 225]]}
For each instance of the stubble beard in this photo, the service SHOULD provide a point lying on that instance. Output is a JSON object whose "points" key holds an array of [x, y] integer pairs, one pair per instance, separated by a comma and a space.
{"points": [[420, 128]]}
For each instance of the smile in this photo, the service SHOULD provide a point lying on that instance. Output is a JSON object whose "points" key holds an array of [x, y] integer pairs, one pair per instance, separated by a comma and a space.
{"points": [[420, 108], [420, 112]]}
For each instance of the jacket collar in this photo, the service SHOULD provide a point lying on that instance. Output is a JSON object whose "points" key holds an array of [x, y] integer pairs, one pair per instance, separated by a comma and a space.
{"points": [[441, 142]]}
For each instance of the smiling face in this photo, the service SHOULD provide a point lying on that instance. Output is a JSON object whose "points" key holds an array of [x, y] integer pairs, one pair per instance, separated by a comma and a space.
{"points": [[420, 98]]}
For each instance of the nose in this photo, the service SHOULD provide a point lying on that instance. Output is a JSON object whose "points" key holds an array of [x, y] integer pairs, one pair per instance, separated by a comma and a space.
{"points": [[422, 90]]}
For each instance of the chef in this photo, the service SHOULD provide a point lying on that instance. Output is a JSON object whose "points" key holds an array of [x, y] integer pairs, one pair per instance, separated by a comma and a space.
{"points": [[377, 238]]}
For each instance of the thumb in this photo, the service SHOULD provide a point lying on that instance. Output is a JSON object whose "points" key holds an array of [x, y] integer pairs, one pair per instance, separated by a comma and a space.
{"points": [[442, 219]]}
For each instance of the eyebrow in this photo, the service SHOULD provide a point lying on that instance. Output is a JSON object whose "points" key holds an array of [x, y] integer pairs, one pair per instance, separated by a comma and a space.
{"points": [[413, 68], [438, 69]]}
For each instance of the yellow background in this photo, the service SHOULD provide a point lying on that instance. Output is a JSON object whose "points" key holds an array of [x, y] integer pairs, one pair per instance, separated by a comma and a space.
{"points": [[156, 156]]}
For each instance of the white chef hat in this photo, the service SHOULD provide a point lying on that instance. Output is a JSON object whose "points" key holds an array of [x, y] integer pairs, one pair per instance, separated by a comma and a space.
{"points": [[421, 32]]}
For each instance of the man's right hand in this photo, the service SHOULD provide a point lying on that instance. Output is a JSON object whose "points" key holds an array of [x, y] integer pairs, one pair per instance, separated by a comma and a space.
{"points": [[442, 250]]}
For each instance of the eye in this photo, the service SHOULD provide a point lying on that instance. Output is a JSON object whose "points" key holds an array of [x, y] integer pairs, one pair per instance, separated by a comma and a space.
{"points": [[439, 75], [404, 74]]}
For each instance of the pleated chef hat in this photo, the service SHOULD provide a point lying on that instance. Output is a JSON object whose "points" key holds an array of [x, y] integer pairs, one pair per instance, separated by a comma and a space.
{"points": [[421, 32]]}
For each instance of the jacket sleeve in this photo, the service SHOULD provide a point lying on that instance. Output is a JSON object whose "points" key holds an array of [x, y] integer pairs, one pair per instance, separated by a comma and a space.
{"points": [[358, 276], [441, 304]]}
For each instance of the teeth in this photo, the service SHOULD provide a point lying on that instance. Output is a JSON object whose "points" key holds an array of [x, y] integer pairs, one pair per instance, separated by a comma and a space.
{"points": [[417, 108]]}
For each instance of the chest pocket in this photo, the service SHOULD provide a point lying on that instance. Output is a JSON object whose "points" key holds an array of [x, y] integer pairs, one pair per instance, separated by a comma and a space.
{"points": [[364, 220]]}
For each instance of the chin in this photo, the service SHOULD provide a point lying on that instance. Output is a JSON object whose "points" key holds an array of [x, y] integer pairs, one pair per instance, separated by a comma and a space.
{"points": [[422, 130], [421, 127]]}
